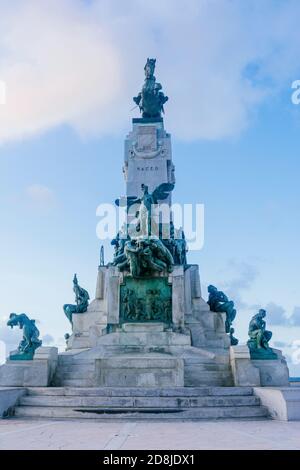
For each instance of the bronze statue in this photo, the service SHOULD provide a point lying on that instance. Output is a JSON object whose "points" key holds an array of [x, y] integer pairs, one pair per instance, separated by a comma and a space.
{"points": [[146, 204], [145, 256], [151, 99], [30, 341], [81, 298], [219, 302], [259, 338], [257, 330]]}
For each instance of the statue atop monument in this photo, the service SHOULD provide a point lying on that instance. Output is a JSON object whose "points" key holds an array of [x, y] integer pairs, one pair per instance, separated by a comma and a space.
{"points": [[151, 99]]}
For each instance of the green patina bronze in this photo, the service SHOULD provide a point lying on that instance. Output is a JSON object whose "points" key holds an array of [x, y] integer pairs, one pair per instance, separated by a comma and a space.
{"points": [[151, 99], [233, 341], [219, 302], [82, 301], [145, 207], [146, 300], [258, 343], [30, 341], [145, 256], [142, 248]]}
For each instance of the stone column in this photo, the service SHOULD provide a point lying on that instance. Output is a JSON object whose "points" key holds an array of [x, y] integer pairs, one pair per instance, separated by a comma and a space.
{"points": [[113, 294], [178, 297]]}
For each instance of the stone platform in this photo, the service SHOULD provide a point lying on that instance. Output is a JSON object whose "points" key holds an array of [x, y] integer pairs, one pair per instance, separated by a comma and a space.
{"points": [[143, 354], [118, 403]]}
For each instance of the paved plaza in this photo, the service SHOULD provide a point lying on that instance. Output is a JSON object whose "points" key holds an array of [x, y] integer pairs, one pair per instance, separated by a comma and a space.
{"points": [[94, 435]]}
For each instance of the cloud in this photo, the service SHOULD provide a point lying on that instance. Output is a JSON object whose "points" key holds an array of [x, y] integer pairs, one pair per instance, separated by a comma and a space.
{"points": [[58, 65], [295, 318], [47, 339], [76, 63], [40, 195], [295, 356], [281, 344], [244, 275], [276, 314], [10, 337]]}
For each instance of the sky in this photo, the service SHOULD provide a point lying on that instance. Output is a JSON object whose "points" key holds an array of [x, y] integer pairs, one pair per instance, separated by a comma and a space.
{"points": [[70, 70]]}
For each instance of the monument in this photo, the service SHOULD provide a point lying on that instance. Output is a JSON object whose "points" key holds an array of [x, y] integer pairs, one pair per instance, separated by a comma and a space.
{"points": [[149, 331]]}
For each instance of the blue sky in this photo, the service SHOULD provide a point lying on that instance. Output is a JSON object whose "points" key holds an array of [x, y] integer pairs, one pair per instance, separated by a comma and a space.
{"points": [[235, 135]]}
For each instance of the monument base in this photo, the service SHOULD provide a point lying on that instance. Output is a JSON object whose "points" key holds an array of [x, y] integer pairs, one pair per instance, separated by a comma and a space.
{"points": [[144, 355], [264, 373], [37, 372]]}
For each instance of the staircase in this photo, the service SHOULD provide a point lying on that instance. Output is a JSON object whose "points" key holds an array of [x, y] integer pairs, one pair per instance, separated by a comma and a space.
{"points": [[120, 403], [77, 368]]}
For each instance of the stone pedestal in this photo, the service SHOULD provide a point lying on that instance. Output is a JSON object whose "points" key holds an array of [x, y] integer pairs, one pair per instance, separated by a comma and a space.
{"points": [[273, 373], [148, 156], [35, 373], [264, 372], [243, 370], [104, 313]]}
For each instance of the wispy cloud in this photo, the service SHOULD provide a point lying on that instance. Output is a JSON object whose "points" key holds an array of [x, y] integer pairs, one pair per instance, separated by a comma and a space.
{"points": [[47, 340], [276, 314], [10, 337], [40, 196], [243, 276], [78, 63], [295, 318]]}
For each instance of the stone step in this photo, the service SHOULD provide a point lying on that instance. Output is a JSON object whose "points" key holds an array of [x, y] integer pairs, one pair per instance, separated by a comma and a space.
{"points": [[215, 343], [164, 338], [214, 335], [77, 383], [90, 363], [77, 374], [139, 402], [196, 376], [141, 391], [144, 327], [69, 360], [69, 367], [214, 382], [208, 366], [193, 376], [106, 414]]}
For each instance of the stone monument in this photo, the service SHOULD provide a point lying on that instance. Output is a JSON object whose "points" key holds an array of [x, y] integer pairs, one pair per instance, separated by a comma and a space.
{"points": [[149, 329]]}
